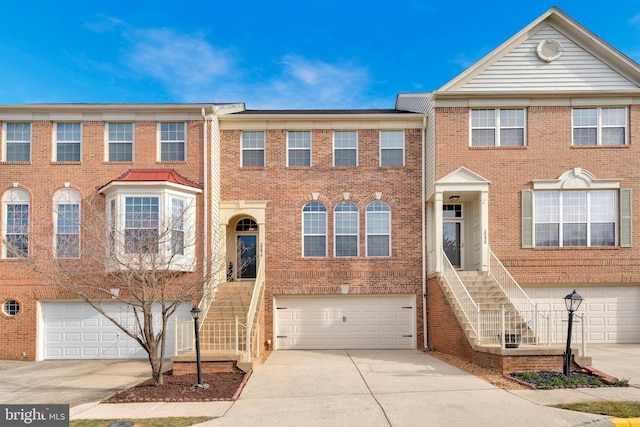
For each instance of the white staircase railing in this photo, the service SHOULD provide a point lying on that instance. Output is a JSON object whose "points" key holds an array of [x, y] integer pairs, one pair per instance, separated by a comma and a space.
{"points": [[253, 330], [518, 297], [469, 308]]}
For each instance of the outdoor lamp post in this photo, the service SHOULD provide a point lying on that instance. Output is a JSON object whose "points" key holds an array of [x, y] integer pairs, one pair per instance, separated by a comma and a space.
{"points": [[195, 313], [572, 301]]}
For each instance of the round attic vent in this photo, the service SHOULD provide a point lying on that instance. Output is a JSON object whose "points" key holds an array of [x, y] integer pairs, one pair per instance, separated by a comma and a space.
{"points": [[549, 50]]}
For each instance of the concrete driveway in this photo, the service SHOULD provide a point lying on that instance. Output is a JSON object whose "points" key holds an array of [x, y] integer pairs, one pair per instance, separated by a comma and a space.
{"points": [[380, 388], [619, 360], [67, 381]]}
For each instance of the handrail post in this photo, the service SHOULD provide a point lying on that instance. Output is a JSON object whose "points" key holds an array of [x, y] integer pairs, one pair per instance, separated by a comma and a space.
{"points": [[549, 328], [535, 324], [478, 324], [583, 326], [175, 335], [258, 340], [502, 331], [236, 335]]}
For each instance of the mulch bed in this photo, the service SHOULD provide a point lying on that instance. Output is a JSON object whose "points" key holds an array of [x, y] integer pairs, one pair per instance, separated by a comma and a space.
{"points": [[584, 378], [222, 386]]}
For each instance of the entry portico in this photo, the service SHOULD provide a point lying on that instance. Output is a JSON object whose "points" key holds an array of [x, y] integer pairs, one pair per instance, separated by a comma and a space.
{"points": [[458, 221]]}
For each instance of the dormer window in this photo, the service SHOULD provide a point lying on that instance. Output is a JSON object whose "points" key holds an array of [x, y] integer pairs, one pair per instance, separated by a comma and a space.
{"points": [[151, 217]]}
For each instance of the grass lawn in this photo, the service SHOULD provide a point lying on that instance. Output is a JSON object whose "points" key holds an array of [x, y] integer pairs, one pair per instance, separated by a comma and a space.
{"points": [[143, 422], [603, 407]]}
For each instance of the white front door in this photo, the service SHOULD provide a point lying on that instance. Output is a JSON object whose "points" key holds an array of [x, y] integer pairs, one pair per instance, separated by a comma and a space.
{"points": [[345, 322]]}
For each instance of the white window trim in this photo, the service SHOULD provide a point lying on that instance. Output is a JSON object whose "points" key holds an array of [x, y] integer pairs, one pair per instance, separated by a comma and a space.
{"points": [[165, 193], [263, 149], [326, 231], [357, 147], [4, 141], [56, 142], [310, 149], [366, 243], [497, 127], [107, 141], [600, 126], [66, 196], [335, 232], [160, 141], [380, 149], [14, 196]]}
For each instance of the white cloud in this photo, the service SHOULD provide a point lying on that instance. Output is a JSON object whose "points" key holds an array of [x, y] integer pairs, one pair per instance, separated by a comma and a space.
{"points": [[177, 60]]}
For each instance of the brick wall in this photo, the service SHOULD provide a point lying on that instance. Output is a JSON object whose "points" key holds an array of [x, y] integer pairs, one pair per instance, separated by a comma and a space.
{"points": [[41, 178], [547, 155], [287, 189]]}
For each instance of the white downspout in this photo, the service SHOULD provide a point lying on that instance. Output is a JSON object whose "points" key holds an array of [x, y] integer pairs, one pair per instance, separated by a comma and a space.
{"points": [[205, 254], [424, 237]]}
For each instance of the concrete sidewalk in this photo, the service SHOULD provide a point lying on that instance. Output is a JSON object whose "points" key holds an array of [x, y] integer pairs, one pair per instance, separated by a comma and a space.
{"points": [[362, 387]]}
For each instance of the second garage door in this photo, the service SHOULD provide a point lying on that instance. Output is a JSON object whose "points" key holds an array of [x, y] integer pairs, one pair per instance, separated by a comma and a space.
{"points": [[345, 322]]}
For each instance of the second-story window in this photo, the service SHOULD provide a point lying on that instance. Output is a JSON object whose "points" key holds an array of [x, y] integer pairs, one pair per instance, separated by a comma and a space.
{"points": [[391, 148], [16, 223], [67, 223], [345, 148], [298, 148], [600, 126], [172, 142], [497, 127], [252, 149], [314, 230], [68, 137], [17, 146], [346, 229], [378, 229], [120, 142]]}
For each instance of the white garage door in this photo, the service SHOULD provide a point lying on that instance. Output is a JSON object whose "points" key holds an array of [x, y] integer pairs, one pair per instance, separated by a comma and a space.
{"points": [[613, 312], [345, 322], [73, 330]]}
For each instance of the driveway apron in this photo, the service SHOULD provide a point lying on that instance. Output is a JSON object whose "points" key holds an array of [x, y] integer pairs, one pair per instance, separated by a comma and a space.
{"points": [[381, 388]]}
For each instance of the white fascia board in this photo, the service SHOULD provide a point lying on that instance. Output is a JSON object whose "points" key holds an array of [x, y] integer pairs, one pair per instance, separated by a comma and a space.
{"points": [[147, 185]]}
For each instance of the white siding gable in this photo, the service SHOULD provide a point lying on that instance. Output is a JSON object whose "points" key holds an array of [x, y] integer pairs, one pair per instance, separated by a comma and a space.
{"points": [[522, 70]]}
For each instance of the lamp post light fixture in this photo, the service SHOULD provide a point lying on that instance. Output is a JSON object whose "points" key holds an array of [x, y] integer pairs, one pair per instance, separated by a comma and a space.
{"points": [[572, 301], [195, 313]]}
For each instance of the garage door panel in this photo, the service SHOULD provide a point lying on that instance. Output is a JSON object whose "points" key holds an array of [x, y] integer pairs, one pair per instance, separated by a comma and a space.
{"points": [[339, 322], [76, 330], [613, 312]]}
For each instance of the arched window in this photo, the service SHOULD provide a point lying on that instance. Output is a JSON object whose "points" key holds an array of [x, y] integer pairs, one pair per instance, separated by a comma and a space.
{"points": [[15, 223], [67, 223], [346, 229], [246, 224], [378, 229], [314, 230]]}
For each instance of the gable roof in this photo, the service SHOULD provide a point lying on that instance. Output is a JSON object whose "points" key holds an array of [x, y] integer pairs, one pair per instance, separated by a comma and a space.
{"points": [[586, 62], [151, 176]]}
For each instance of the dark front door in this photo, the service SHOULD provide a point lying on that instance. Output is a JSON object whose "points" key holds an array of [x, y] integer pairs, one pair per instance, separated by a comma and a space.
{"points": [[451, 242], [247, 261]]}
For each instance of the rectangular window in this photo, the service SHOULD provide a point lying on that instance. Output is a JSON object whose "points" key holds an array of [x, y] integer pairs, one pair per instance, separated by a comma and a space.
{"points": [[177, 226], [497, 127], [298, 148], [68, 230], [17, 230], [252, 149], [600, 126], [141, 225], [68, 142], [120, 142], [18, 142], [345, 148], [575, 218], [391, 148], [172, 142]]}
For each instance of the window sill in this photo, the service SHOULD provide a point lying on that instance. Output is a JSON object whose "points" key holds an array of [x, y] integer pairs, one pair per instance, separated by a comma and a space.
{"points": [[259, 168], [15, 163], [591, 147], [499, 147], [118, 162], [66, 163], [174, 162]]}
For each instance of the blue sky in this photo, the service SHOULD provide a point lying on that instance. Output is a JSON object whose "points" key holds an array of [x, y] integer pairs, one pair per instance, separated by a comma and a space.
{"points": [[268, 53]]}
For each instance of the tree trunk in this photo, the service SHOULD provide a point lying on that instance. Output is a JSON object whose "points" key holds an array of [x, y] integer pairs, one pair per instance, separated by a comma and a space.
{"points": [[156, 365]]}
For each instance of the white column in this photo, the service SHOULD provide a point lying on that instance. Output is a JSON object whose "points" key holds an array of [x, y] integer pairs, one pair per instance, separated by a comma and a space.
{"points": [[484, 226], [437, 230]]}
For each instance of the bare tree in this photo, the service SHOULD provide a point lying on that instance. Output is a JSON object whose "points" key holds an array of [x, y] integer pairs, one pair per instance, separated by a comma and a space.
{"points": [[143, 256]]}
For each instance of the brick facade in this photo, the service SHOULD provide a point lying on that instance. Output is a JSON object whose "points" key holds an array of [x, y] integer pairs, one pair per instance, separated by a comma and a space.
{"points": [[287, 189], [41, 178], [548, 153]]}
